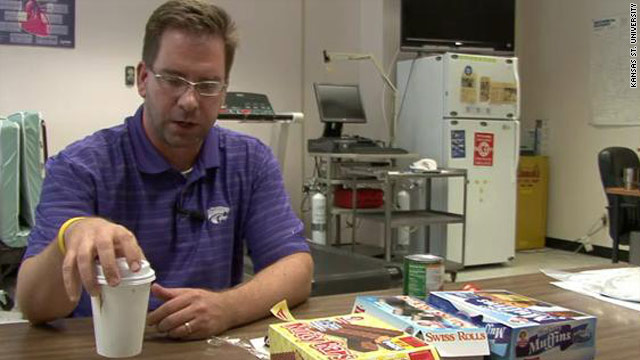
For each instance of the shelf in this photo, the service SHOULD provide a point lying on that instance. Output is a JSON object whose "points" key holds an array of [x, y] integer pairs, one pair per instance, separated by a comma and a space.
{"points": [[365, 157], [381, 171], [347, 181], [416, 218], [339, 211], [440, 173]]}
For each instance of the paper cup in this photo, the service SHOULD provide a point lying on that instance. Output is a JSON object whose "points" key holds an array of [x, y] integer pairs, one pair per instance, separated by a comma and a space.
{"points": [[120, 313]]}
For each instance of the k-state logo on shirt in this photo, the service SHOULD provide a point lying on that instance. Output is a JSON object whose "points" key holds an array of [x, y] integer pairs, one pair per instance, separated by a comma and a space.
{"points": [[218, 214]]}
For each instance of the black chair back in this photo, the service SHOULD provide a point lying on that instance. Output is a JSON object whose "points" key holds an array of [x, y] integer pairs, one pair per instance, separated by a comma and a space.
{"points": [[612, 161]]}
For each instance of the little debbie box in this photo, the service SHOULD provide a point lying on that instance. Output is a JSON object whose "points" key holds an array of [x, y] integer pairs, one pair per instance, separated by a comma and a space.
{"points": [[351, 336], [520, 327]]}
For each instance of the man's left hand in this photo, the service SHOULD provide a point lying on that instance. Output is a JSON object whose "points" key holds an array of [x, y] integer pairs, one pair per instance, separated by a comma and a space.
{"points": [[189, 313]]}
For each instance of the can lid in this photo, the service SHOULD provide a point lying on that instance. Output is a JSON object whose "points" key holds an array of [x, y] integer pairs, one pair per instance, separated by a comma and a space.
{"points": [[127, 277], [425, 258]]}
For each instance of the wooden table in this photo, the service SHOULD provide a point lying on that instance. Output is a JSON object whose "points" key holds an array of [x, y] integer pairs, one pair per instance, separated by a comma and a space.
{"points": [[617, 334], [623, 191]]}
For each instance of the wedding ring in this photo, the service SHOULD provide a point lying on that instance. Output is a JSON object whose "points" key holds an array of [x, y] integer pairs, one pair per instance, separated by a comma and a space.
{"points": [[188, 327]]}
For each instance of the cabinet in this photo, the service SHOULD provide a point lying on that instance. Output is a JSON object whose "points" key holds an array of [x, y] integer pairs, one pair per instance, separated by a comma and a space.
{"points": [[531, 217], [382, 171]]}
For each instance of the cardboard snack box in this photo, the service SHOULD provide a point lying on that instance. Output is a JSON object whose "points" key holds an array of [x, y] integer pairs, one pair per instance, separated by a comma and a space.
{"points": [[452, 337], [352, 336], [520, 327]]}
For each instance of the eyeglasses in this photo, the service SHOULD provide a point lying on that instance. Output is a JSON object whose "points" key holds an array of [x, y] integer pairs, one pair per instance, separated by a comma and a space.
{"points": [[178, 85]]}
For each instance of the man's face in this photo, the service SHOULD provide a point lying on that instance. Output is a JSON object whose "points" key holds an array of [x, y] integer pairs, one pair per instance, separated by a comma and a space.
{"points": [[181, 120]]}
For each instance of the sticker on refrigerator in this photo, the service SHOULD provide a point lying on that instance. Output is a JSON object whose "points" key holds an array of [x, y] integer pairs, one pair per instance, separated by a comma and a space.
{"points": [[483, 146], [503, 93], [485, 89], [468, 87], [458, 146]]}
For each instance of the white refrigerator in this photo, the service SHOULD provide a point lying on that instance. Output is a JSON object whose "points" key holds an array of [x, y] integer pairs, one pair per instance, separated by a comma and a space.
{"points": [[462, 111]]}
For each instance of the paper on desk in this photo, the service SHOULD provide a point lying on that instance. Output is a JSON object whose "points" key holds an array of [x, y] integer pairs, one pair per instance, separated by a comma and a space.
{"points": [[619, 286], [259, 345], [247, 345], [572, 286], [12, 321]]}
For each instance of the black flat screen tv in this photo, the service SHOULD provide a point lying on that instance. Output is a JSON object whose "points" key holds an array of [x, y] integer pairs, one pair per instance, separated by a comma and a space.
{"points": [[458, 24]]}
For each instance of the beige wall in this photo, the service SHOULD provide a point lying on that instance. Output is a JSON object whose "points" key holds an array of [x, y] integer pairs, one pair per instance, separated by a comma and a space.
{"points": [[351, 26], [554, 50], [79, 90], [553, 46], [82, 90]]}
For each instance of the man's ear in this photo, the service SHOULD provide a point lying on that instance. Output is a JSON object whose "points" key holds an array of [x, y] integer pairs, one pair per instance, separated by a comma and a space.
{"points": [[142, 75]]}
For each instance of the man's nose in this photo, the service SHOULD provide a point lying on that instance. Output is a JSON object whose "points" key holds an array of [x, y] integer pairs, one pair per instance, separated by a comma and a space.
{"points": [[188, 101]]}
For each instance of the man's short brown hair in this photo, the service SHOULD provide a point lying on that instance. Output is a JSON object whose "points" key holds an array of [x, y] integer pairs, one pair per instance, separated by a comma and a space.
{"points": [[194, 16]]}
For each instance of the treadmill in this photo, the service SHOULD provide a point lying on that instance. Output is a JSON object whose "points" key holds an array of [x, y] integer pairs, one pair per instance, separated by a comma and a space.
{"points": [[337, 271]]}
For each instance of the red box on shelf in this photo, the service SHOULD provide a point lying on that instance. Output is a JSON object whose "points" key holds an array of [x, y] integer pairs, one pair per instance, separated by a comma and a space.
{"points": [[365, 198]]}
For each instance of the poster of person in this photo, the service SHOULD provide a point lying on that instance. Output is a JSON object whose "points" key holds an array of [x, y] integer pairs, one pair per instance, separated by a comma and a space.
{"points": [[38, 23]]}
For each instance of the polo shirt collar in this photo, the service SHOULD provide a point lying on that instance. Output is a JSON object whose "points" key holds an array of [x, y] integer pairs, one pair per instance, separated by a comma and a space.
{"points": [[209, 156], [150, 160]]}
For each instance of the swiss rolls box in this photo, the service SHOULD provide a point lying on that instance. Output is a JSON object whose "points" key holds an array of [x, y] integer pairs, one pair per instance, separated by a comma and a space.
{"points": [[451, 336]]}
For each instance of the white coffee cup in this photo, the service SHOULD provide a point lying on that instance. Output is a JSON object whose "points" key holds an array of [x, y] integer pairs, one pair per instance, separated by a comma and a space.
{"points": [[120, 312]]}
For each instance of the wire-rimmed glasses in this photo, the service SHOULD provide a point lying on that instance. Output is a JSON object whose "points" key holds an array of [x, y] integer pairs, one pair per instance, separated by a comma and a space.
{"points": [[178, 85]]}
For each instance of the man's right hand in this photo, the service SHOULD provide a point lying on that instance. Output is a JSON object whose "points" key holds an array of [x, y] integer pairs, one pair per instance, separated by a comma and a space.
{"points": [[94, 238]]}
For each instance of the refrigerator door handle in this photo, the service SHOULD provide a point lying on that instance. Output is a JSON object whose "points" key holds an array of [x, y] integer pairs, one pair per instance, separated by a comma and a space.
{"points": [[516, 152]]}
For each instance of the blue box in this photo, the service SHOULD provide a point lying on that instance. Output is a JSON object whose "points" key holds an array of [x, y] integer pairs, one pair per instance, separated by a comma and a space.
{"points": [[520, 327]]}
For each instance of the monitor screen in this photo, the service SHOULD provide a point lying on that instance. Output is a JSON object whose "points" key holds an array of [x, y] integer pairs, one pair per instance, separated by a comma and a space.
{"points": [[339, 103], [458, 23]]}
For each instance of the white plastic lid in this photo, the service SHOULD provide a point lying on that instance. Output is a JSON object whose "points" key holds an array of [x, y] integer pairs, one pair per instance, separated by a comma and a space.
{"points": [[127, 277]]}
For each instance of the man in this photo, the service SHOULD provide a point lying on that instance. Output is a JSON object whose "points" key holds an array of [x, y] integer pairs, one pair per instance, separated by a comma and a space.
{"points": [[170, 187]]}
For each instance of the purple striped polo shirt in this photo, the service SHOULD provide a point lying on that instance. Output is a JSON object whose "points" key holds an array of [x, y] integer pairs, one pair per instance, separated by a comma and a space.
{"points": [[193, 228]]}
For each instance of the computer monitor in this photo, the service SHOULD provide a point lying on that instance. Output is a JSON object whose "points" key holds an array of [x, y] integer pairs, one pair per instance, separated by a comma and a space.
{"points": [[338, 104]]}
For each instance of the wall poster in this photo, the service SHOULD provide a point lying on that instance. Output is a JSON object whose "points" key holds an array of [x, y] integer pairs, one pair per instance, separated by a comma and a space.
{"points": [[48, 23], [613, 76]]}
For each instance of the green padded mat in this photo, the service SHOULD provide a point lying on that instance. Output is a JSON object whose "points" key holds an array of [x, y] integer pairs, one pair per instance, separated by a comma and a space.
{"points": [[11, 233], [31, 163]]}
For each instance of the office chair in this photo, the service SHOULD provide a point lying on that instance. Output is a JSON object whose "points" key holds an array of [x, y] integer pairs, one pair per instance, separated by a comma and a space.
{"points": [[624, 211]]}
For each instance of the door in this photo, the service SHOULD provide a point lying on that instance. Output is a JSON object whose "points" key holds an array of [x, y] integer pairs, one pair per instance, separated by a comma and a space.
{"points": [[488, 150]]}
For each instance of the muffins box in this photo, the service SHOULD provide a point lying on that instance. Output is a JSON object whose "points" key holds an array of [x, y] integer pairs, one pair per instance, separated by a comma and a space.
{"points": [[520, 327]]}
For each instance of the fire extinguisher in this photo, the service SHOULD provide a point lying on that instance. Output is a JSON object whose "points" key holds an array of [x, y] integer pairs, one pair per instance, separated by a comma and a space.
{"points": [[319, 218], [403, 201]]}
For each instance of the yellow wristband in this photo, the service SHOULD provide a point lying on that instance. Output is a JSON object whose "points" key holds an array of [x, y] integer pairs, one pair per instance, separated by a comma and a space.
{"points": [[64, 228]]}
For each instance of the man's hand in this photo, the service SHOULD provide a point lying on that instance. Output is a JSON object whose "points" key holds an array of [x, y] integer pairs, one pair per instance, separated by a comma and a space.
{"points": [[196, 314], [91, 238], [190, 313]]}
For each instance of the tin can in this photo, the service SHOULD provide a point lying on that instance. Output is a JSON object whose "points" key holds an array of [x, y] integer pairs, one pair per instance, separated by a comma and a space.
{"points": [[423, 273], [630, 178]]}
